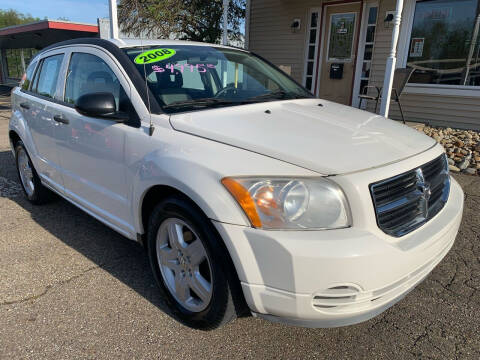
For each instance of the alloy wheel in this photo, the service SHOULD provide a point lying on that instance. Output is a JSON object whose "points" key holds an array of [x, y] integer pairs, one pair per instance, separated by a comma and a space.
{"points": [[184, 265]]}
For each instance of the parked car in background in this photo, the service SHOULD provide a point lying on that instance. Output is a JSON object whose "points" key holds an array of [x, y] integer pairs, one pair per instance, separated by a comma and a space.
{"points": [[249, 194]]}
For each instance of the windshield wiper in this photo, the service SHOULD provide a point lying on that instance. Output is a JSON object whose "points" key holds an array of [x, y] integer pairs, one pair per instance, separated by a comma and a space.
{"points": [[206, 102], [274, 95], [212, 102]]}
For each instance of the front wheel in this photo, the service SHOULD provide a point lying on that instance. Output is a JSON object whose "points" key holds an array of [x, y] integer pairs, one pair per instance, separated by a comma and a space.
{"points": [[190, 266]]}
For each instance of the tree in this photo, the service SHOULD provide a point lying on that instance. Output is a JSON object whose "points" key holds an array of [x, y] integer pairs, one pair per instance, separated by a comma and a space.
{"points": [[196, 20], [12, 17]]}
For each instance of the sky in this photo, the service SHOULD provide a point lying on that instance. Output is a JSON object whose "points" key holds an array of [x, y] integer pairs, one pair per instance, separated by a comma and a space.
{"points": [[86, 11]]}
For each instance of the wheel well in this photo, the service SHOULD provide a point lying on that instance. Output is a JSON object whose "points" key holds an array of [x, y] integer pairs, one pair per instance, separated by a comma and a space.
{"points": [[14, 138], [152, 197]]}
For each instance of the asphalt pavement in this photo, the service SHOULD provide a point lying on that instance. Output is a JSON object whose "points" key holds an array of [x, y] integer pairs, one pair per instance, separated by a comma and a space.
{"points": [[71, 288]]}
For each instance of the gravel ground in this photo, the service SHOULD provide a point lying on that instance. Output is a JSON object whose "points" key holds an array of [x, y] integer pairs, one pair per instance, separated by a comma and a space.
{"points": [[73, 289], [462, 147]]}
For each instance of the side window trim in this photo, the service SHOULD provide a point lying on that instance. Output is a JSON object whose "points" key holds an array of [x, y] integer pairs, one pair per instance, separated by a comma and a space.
{"points": [[35, 65], [62, 76], [64, 89], [35, 77]]}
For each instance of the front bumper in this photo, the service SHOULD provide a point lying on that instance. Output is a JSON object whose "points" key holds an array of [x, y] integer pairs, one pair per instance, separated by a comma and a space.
{"points": [[337, 277]]}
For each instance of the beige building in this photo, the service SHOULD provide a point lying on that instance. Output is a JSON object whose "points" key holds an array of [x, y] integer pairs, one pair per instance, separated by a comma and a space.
{"points": [[336, 48]]}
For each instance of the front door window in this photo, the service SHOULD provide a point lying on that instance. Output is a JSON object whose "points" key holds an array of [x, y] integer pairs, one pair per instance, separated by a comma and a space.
{"points": [[342, 28], [89, 74]]}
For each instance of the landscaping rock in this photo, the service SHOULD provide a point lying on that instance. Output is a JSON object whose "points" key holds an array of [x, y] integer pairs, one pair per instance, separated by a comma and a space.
{"points": [[453, 168], [462, 147], [465, 163]]}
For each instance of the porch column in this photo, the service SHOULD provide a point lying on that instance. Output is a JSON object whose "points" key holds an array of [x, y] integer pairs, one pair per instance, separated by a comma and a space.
{"points": [[113, 19], [225, 22], [391, 62]]}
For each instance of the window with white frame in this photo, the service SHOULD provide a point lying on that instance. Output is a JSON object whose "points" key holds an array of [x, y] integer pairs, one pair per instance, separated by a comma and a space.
{"points": [[368, 50], [444, 45], [312, 50]]}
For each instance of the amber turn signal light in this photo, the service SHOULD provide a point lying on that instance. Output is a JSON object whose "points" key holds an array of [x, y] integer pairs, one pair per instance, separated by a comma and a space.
{"points": [[244, 200]]}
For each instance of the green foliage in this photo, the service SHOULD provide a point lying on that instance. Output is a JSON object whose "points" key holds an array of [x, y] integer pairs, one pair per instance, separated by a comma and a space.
{"points": [[196, 20], [12, 17]]}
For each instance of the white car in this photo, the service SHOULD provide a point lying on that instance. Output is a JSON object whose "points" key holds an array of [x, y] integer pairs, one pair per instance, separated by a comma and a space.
{"points": [[249, 194]]}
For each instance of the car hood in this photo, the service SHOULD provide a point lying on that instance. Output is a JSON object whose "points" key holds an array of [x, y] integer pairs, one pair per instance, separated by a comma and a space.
{"points": [[318, 135]]}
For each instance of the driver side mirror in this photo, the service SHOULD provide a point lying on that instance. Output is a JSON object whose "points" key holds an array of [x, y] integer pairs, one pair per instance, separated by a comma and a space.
{"points": [[101, 104]]}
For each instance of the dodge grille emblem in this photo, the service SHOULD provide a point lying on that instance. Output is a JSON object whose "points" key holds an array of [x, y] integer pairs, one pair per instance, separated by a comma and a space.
{"points": [[425, 190]]}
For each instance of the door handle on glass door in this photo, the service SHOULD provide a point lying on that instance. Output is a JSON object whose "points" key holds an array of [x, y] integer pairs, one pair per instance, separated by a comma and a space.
{"points": [[61, 119]]}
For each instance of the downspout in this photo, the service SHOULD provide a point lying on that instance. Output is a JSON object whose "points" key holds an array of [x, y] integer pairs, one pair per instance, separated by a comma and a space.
{"points": [[391, 62], [113, 19]]}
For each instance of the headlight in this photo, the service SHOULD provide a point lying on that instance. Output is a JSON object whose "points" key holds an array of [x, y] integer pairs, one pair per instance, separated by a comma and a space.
{"points": [[294, 204]]}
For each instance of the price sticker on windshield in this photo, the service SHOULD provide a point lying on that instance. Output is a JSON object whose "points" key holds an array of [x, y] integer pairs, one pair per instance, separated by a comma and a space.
{"points": [[154, 55]]}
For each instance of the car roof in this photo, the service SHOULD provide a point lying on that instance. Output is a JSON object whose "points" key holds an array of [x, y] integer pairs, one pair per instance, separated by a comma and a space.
{"points": [[126, 43]]}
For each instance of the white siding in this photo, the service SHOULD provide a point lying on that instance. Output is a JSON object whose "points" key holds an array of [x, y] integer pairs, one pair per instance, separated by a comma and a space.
{"points": [[271, 35]]}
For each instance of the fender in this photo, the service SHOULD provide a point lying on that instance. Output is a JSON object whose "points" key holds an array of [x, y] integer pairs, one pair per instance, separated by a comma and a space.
{"points": [[200, 184], [194, 166], [18, 124]]}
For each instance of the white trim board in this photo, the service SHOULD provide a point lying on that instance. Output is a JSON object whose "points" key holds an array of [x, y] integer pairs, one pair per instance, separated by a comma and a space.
{"points": [[438, 90], [308, 44], [361, 50]]}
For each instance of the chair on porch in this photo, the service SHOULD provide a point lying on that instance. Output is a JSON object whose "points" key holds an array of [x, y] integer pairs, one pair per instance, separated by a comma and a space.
{"points": [[400, 79]]}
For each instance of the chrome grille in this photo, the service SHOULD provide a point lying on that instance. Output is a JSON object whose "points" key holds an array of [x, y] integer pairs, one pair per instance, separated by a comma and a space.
{"points": [[405, 202]]}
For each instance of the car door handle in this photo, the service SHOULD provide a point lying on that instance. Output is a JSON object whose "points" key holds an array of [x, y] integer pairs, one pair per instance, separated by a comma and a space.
{"points": [[25, 106], [61, 119]]}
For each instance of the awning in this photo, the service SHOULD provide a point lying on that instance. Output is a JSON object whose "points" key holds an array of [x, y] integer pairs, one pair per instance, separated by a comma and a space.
{"points": [[44, 33]]}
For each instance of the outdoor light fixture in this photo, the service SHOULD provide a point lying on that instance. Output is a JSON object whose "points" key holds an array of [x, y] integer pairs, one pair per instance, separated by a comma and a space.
{"points": [[295, 25], [388, 19]]}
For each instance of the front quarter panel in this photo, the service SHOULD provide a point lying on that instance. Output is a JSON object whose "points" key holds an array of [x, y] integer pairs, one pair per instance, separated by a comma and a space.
{"points": [[195, 166]]}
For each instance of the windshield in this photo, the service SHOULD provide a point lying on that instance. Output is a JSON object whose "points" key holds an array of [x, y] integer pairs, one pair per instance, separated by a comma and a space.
{"points": [[187, 77]]}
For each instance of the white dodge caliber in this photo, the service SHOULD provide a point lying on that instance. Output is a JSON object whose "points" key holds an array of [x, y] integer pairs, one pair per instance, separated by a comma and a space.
{"points": [[249, 194]]}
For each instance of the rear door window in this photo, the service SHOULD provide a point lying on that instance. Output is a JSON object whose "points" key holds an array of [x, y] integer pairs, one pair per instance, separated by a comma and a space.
{"points": [[45, 83]]}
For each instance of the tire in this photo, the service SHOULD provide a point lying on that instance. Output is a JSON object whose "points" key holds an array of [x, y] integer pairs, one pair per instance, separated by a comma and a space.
{"points": [[32, 187], [199, 311]]}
